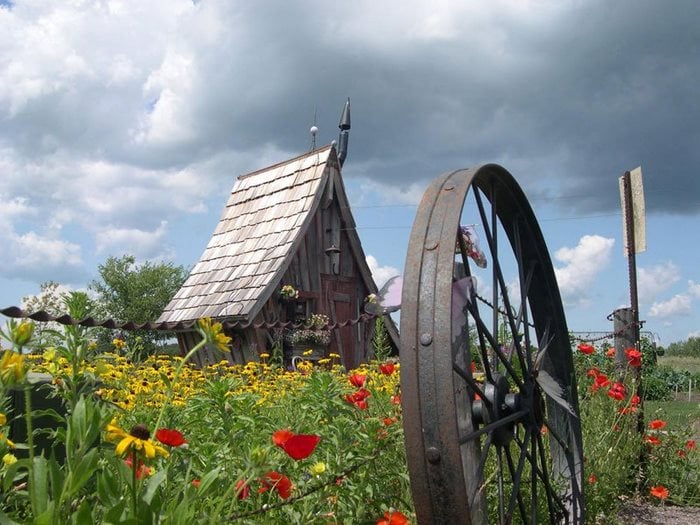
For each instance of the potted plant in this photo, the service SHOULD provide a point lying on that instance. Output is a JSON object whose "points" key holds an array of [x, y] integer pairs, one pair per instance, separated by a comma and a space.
{"points": [[312, 339]]}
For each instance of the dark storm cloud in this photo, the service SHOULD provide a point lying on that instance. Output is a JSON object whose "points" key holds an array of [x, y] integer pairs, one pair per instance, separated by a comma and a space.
{"points": [[570, 101]]}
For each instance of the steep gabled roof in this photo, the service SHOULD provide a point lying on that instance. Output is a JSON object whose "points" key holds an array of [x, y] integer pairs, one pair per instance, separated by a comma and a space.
{"points": [[265, 218]]}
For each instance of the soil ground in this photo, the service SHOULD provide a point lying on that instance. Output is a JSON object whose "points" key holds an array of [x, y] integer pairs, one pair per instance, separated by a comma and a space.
{"points": [[645, 514]]}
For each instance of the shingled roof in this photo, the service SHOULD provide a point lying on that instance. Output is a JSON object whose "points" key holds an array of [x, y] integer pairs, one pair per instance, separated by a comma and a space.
{"points": [[264, 219]]}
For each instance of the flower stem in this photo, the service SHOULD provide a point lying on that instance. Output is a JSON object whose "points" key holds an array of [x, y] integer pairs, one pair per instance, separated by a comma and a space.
{"points": [[175, 378], [30, 442]]}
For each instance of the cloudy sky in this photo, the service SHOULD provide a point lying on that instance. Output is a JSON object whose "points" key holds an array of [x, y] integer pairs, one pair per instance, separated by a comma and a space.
{"points": [[124, 124]]}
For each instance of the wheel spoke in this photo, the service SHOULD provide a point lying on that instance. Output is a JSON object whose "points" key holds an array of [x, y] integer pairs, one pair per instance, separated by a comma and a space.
{"points": [[516, 475], [471, 382], [493, 426]]}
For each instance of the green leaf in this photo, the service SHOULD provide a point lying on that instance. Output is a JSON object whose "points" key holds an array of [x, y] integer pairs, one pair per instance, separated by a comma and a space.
{"points": [[207, 480], [56, 478], [153, 483], [83, 471], [84, 515], [114, 514], [6, 520], [38, 485], [108, 488]]}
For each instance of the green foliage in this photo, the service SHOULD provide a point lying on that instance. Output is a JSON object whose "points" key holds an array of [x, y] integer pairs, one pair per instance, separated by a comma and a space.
{"points": [[380, 340], [689, 348], [131, 292], [50, 300]]}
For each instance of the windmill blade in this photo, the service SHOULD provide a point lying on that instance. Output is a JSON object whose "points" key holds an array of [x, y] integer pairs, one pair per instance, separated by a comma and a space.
{"points": [[462, 292], [387, 299], [554, 390]]}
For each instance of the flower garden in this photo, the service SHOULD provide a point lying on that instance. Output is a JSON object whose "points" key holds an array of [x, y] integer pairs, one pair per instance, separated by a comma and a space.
{"points": [[160, 441]]}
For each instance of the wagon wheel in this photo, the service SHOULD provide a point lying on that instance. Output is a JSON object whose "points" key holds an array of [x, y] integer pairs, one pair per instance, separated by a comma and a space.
{"points": [[489, 394]]}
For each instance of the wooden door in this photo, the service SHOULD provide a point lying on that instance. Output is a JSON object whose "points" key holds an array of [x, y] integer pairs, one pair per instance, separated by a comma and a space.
{"points": [[340, 298]]}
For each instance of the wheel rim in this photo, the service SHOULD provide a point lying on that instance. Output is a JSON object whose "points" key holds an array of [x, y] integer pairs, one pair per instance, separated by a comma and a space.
{"points": [[490, 445]]}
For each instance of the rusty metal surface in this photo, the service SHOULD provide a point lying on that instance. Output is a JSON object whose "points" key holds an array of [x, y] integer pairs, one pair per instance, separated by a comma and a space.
{"points": [[444, 466]]}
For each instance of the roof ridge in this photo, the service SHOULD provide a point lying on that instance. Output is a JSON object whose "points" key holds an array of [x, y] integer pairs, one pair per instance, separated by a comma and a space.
{"points": [[317, 151]]}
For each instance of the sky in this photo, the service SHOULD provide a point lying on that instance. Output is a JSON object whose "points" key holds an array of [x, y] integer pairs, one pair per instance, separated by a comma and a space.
{"points": [[124, 125]]}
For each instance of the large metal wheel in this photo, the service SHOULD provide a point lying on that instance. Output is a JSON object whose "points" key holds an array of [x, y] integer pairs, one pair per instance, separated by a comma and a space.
{"points": [[488, 388]]}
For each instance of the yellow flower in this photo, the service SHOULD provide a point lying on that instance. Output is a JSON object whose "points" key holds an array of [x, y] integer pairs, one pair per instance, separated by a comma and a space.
{"points": [[317, 468], [3, 419], [50, 354], [12, 367], [22, 333], [137, 439], [264, 355], [7, 440], [213, 333], [9, 459], [308, 351]]}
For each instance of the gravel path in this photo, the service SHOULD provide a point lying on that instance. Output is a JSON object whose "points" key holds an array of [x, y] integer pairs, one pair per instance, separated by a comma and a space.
{"points": [[645, 514]]}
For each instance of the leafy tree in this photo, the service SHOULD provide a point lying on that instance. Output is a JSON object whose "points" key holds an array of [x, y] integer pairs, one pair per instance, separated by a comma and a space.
{"points": [[689, 348], [131, 292], [49, 299]]}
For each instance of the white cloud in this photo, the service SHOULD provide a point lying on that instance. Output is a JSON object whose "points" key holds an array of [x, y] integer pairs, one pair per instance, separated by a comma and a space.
{"points": [[694, 289], [583, 264], [381, 274], [677, 305], [42, 258], [655, 280], [137, 242]]}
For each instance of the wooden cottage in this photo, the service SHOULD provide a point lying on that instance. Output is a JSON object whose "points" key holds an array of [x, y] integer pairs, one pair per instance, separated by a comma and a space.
{"points": [[289, 224]]}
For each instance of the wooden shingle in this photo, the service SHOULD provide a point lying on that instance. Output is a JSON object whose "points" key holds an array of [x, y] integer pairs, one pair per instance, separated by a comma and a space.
{"points": [[251, 244]]}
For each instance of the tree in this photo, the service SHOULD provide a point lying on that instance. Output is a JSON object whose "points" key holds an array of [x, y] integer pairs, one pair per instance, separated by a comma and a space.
{"points": [[131, 292], [50, 300]]}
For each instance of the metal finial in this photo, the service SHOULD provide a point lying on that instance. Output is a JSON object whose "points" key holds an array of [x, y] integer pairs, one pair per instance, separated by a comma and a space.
{"points": [[343, 138]]}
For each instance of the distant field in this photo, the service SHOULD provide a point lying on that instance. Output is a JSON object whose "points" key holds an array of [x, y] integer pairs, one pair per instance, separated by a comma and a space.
{"points": [[692, 364], [678, 414]]}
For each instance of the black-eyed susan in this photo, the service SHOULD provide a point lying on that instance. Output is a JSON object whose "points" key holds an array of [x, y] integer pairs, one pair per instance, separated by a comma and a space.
{"points": [[213, 333], [137, 440], [12, 369]]}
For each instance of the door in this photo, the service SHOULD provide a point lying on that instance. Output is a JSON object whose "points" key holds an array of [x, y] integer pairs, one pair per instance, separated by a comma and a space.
{"points": [[340, 301]]}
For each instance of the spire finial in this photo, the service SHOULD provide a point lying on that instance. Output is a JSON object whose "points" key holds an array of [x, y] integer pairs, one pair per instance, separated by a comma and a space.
{"points": [[344, 136], [313, 131]]}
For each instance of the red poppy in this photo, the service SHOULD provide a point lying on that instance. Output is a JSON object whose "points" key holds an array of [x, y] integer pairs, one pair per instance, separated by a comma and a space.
{"points": [[635, 400], [610, 352], [170, 437], [617, 391], [361, 404], [593, 372], [300, 446], [195, 483], [396, 399], [279, 437], [627, 410], [681, 454], [586, 348], [387, 368], [634, 357], [592, 479], [657, 424], [659, 491], [242, 489], [601, 381], [357, 380], [361, 393], [393, 518], [141, 471], [389, 421], [690, 444], [279, 482], [652, 440]]}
